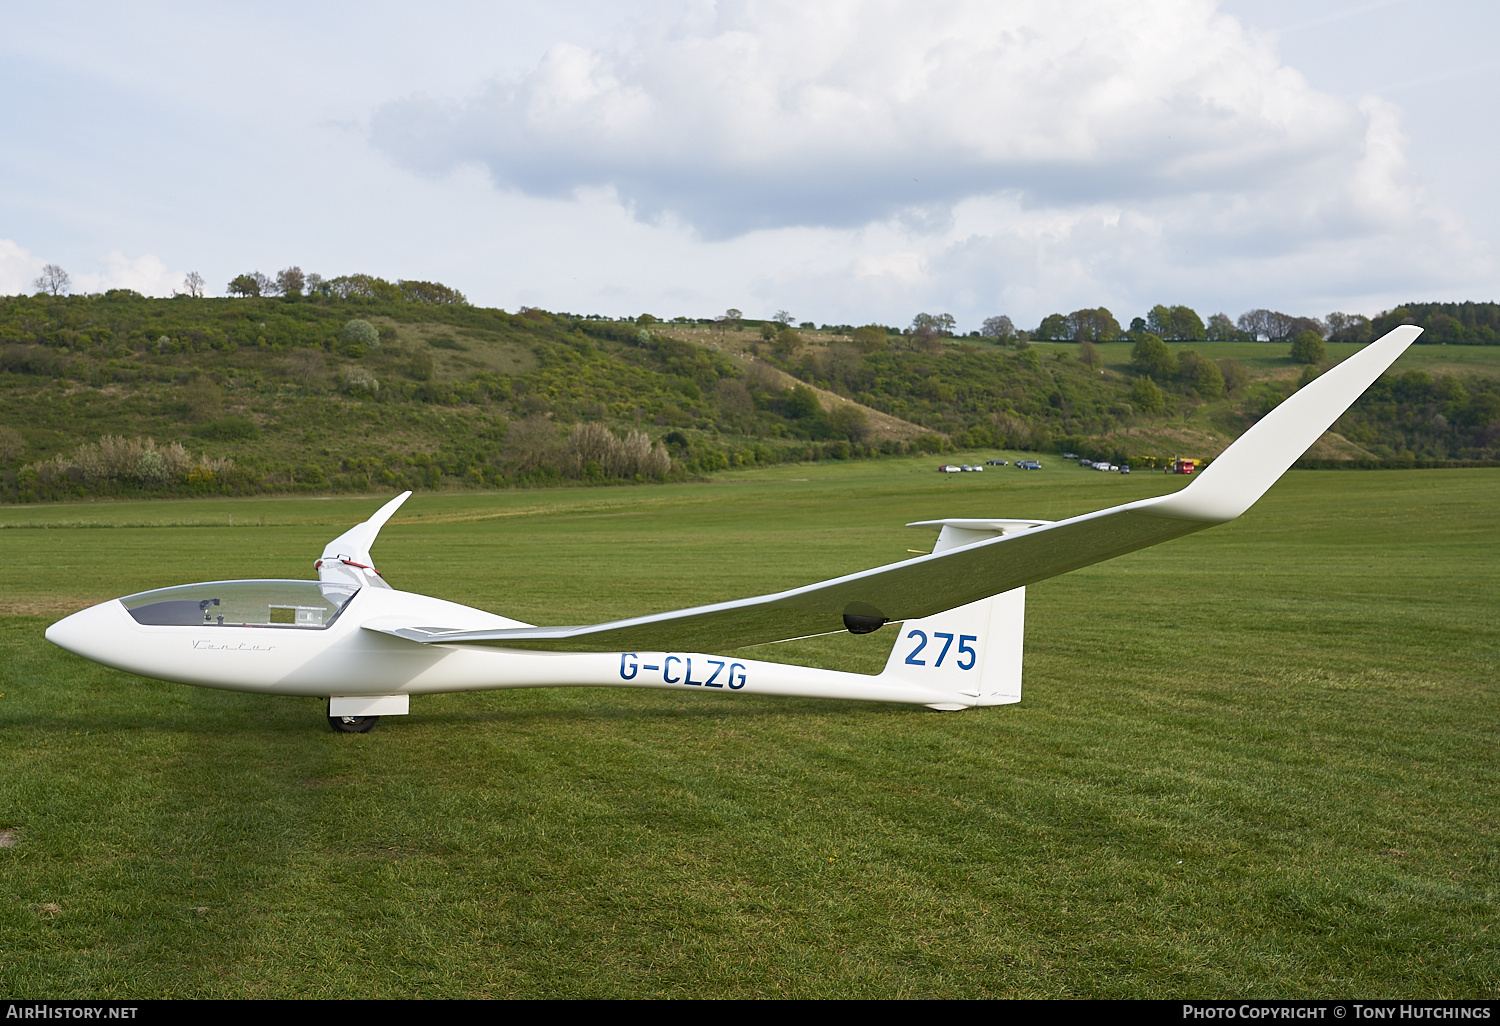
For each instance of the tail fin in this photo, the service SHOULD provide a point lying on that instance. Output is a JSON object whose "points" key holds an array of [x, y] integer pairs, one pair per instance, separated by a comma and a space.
{"points": [[972, 652], [347, 558]]}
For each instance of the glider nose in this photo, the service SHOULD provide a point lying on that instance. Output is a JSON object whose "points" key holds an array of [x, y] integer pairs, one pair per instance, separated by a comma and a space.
{"points": [[83, 632]]}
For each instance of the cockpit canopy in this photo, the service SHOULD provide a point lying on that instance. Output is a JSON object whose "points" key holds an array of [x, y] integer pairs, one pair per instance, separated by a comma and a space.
{"points": [[312, 605]]}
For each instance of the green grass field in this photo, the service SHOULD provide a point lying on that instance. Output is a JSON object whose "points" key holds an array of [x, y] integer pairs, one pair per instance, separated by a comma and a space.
{"points": [[1258, 761]]}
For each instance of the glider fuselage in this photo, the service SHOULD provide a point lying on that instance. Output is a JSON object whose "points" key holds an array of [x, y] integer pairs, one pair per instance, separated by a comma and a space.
{"points": [[351, 657]]}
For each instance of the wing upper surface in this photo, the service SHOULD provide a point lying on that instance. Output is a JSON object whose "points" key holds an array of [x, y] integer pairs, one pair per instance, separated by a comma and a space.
{"points": [[930, 584]]}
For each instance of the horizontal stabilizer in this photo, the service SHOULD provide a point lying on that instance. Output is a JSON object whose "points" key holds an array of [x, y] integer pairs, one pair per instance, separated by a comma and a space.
{"points": [[956, 532], [977, 568]]}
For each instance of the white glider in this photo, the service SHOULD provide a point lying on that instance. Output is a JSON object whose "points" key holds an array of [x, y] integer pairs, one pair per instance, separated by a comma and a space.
{"points": [[368, 648]]}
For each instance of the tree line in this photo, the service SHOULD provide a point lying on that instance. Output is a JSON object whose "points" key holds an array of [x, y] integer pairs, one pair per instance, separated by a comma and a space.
{"points": [[1467, 323], [289, 283]]}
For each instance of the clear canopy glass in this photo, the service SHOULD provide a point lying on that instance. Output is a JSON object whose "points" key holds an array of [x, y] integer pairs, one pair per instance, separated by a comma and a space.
{"points": [[306, 604]]}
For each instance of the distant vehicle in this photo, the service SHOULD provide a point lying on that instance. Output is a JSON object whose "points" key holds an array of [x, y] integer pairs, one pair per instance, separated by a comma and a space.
{"points": [[1181, 466], [1028, 465], [1105, 465], [1125, 469], [950, 468], [1070, 455], [996, 463], [1085, 463]]}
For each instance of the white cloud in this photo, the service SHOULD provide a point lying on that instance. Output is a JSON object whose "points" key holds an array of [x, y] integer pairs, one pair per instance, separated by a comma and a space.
{"points": [[966, 154], [771, 114], [18, 269], [145, 274], [849, 162]]}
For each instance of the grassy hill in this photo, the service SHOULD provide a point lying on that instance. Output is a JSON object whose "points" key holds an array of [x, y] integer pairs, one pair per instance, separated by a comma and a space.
{"points": [[123, 395], [1441, 404]]}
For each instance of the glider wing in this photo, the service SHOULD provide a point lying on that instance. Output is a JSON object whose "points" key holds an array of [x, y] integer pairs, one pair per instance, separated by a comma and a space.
{"points": [[943, 580]]}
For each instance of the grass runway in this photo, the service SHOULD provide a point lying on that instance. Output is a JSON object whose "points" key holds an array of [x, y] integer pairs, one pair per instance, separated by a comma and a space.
{"points": [[1259, 761]]}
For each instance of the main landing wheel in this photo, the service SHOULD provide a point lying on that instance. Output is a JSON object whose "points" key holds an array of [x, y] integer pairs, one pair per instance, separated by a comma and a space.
{"points": [[353, 724]]}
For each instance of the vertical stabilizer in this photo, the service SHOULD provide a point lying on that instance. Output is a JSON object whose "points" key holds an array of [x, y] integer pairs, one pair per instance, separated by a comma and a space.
{"points": [[972, 653], [347, 558]]}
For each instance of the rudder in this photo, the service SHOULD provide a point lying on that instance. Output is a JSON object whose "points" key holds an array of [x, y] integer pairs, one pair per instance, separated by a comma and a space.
{"points": [[972, 653]]}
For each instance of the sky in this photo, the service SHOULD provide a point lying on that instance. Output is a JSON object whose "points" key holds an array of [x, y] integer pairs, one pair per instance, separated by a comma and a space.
{"points": [[847, 162]]}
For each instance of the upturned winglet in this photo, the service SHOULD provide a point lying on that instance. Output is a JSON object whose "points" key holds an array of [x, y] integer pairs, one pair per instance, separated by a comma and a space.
{"points": [[1247, 469]]}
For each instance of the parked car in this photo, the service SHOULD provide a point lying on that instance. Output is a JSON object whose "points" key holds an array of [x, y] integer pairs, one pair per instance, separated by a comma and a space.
{"points": [[1070, 455], [1085, 463], [1028, 465], [1105, 465], [996, 463], [1125, 469], [950, 468]]}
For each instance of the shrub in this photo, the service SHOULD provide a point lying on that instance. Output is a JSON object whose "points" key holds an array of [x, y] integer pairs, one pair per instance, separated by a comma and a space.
{"points": [[1147, 397], [361, 333], [359, 381], [152, 470], [802, 401], [422, 365], [787, 342], [531, 445], [114, 460], [1308, 348], [871, 338], [1208, 380], [850, 421], [1234, 374], [1201, 374], [595, 447], [1151, 357], [12, 445]]}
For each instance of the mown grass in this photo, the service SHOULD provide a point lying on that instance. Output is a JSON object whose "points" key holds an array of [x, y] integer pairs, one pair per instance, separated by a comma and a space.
{"points": [[1258, 761]]}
